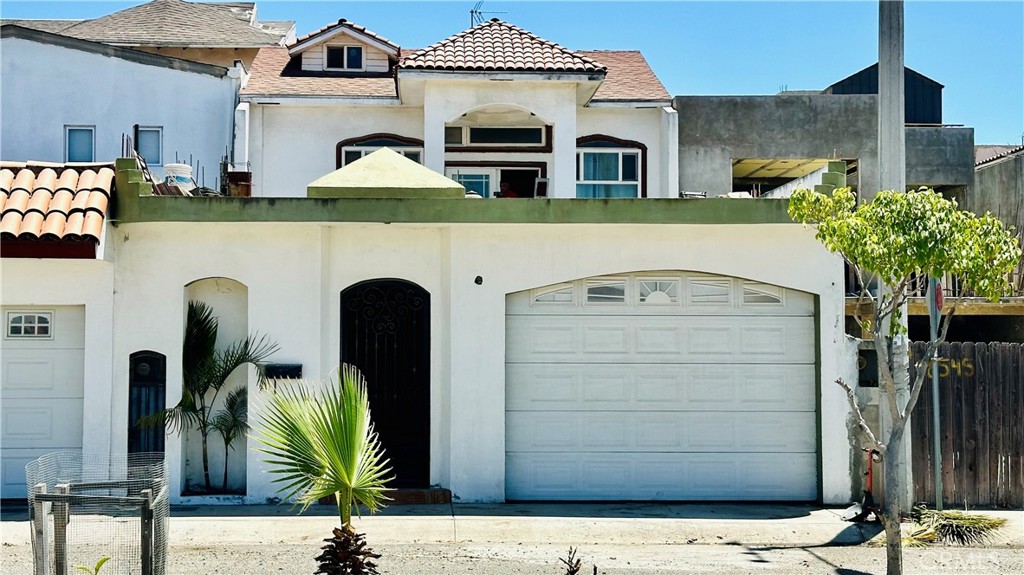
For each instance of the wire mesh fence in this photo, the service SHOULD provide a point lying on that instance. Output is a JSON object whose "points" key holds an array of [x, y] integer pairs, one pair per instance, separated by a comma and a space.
{"points": [[85, 507]]}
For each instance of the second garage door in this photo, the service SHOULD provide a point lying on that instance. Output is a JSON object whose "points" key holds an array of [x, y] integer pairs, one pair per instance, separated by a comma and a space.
{"points": [[41, 374], [666, 386]]}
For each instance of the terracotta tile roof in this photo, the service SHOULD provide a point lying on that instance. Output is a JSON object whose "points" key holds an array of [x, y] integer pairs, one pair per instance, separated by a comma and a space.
{"points": [[272, 75], [178, 23], [46, 203], [501, 47], [343, 23], [629, 77]]}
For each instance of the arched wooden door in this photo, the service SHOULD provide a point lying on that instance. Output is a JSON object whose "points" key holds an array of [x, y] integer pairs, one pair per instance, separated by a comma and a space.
{"points": [[385, 332]]}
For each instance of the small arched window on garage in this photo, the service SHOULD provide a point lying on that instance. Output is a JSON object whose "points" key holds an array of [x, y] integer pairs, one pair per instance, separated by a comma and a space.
{"points": [[352, 149], [30, 325], [147, 390]]}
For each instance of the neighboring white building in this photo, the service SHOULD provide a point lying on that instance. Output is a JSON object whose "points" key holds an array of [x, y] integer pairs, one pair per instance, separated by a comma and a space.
{"points": [[493, 103], [176, 110]]}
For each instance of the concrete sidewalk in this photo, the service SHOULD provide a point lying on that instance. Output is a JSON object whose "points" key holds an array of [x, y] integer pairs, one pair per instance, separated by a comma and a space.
{"points": [[563, 523]]}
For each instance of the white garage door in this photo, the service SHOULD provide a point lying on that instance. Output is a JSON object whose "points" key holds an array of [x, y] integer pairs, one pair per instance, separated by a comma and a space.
{"points": [[671, 386], [42, 366]]}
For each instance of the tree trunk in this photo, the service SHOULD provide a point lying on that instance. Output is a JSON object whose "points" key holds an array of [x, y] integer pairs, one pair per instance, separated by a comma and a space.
{"points": [[225, 487], [891, 502], [344, 498], [206, 462]]}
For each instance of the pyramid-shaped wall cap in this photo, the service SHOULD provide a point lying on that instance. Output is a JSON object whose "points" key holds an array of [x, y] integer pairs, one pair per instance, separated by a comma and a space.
{"points": [[384, 174]]}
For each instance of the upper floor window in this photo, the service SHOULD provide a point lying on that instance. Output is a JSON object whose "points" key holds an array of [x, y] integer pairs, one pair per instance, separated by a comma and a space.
{"points": [[607, 174], [608, 167], [149, 144], [352, 149], [350, 154], [343, 57], [494, 136], [79, 143], [29, 325]]}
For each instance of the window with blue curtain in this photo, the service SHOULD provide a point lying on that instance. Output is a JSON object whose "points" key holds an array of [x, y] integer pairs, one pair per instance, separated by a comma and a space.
{"points": [[605, 173]]}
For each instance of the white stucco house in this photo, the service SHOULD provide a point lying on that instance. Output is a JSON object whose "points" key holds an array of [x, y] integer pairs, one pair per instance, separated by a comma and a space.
{"points": [[119, 92], [493, 103], [594, 337]]}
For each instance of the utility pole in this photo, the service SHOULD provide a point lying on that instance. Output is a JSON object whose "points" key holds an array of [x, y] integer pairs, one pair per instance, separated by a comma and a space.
{"points": [[892, 175]]}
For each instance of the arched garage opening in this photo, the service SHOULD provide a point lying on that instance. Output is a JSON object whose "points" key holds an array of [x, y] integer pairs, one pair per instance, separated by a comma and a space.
{"points": [[661, 386]]}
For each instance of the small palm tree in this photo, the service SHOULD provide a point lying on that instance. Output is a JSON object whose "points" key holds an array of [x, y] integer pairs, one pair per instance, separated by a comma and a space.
{"points": [[205, 372], [322, 443], [231, 423]]}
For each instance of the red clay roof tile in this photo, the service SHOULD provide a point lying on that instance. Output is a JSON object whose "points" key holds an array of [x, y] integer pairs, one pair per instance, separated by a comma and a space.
{"points": [[37, 203], [500, 47]]}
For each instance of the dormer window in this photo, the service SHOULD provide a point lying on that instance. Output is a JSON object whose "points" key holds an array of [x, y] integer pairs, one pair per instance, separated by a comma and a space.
{"points": [[343, 57]]}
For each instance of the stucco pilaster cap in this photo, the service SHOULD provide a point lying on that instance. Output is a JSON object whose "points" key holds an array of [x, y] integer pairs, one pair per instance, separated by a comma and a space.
{"points": [[384, 174]]}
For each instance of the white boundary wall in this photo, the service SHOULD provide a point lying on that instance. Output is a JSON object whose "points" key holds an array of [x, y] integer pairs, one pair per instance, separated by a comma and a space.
{"points": [[295, 272]]}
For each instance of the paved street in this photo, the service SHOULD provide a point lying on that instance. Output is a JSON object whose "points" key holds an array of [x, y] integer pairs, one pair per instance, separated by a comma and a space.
{"points": [[529, 539]]}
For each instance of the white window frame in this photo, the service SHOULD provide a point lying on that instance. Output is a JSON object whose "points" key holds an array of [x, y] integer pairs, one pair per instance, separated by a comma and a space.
{"points": [[753, 286], [466, 143], [67, 141], [660, 279], [730, 291], [160, 142], [9, 319], [363, 150], [344, 48], [620, 151], [552, 289], [626, 291]]}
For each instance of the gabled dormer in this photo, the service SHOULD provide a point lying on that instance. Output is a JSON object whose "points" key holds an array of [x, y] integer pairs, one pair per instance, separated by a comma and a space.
{"points": [[344, 47]]}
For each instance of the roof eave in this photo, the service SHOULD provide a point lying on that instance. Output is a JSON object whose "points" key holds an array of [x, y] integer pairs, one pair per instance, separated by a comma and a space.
{"points": [[630, 103], [298, 47], [563, 75], [317, 99]]}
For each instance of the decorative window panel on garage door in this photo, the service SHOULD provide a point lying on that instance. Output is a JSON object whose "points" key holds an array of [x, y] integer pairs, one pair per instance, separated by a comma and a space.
{"points": [[661, 386]]}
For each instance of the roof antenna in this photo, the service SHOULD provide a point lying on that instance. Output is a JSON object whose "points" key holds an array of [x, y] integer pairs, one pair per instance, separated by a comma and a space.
{"points": [[476, 15]]}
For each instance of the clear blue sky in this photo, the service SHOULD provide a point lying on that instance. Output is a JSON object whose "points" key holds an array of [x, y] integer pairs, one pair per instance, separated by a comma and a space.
{"points": [[975, 49]]}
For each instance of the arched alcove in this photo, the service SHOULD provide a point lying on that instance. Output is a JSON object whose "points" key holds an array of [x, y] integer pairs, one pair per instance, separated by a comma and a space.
{"points": [[228, 301]]}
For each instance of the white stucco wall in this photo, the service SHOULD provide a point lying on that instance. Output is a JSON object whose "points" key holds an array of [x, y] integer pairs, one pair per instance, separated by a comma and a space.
{"points": [[52, 282], [111, 94], [295, 273], [290, 144]]}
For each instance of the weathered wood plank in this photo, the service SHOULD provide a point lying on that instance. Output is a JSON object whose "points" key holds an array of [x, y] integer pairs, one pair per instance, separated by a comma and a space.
{"points": [[981, 388]]}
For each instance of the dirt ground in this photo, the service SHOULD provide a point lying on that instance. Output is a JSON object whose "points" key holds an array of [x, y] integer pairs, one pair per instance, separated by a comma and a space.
{"points": [[535, 559]]}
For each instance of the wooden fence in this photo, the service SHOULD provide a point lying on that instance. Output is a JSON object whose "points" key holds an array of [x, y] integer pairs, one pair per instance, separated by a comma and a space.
{"points": [[981, 403]]}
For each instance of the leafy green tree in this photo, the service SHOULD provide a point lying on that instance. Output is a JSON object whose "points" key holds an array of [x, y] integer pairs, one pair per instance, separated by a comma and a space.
{"points": [[205, 372], [320, 442], [894, 239]]}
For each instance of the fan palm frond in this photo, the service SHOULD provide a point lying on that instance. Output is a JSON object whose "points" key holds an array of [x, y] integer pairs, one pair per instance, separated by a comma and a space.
{"points": [[322, 443]]}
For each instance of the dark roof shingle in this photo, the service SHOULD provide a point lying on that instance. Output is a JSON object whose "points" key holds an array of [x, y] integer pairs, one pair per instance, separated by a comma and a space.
{"points": [[272, 75], [629, 77], [51, 26], [497, 46], [178, 23]]}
